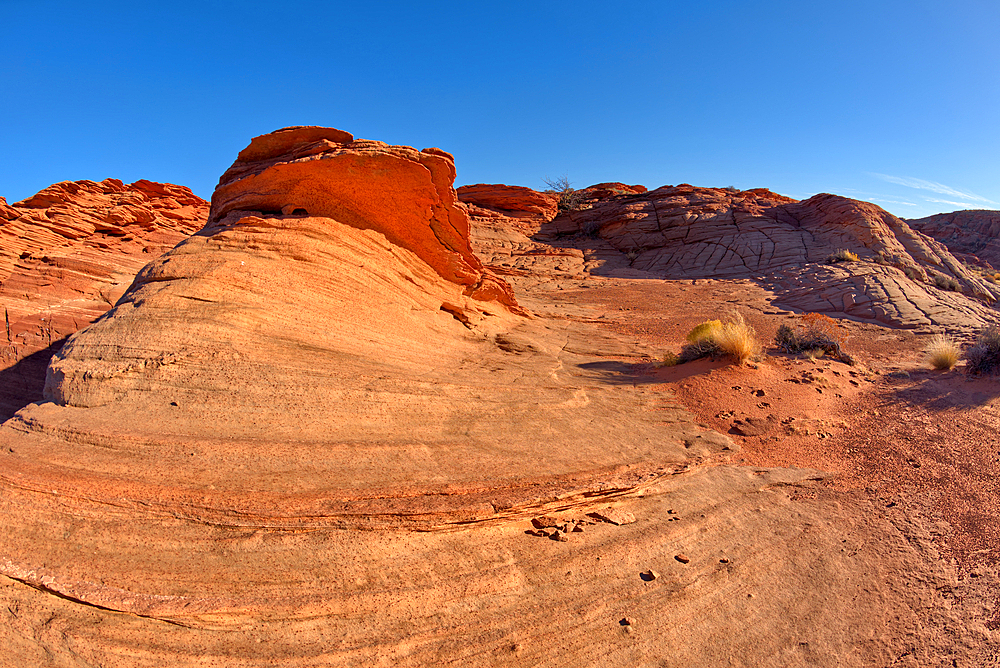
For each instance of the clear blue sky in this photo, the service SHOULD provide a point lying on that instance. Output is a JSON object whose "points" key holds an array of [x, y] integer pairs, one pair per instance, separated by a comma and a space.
{"points": [[891, 101]]}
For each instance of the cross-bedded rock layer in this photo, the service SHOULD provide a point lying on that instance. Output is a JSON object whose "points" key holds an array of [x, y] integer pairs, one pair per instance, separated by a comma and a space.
{"points": [[283, 371], [308, 435], [67, 254]]}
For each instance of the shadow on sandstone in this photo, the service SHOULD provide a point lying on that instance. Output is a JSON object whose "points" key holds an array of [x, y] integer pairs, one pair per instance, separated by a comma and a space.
{"points": [[22, 383], [614, 372]]}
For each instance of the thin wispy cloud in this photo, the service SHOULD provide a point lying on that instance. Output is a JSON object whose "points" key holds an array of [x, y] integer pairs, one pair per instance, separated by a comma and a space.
{"points": [[948, 201], [894, 201], [939, 188]]}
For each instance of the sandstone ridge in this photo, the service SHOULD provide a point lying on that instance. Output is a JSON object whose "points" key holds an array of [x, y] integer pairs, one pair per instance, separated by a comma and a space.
{"points": [[408, 196], [319, 431], [971, 234]]}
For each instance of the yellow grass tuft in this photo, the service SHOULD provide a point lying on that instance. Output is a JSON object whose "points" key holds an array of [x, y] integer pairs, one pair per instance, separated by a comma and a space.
{"points": [[943, 353], [738, 339], [705, 330]]}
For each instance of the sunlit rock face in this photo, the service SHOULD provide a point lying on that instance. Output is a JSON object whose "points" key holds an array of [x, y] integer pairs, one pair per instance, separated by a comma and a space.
{"points": [[972, 234]]}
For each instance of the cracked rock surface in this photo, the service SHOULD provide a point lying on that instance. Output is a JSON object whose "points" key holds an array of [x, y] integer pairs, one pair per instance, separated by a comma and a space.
{"points": [[901, 278]]}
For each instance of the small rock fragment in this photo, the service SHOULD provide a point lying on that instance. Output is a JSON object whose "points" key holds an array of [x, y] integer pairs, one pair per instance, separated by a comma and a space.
{"points": [[615, 516], [683, 558], [752, 426], [545, 522], [649, 575]]}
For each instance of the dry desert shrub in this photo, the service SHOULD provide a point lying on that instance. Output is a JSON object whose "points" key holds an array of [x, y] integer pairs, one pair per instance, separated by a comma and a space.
{"points": [[669, 359], [946, 283], [913, 274], [816, 332], [705, 330], [942, 353], [570, 199], [733, 338], [984, 356], [842, 255]]}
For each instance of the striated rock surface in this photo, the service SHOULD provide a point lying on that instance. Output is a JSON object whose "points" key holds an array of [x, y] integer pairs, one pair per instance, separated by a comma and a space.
{"points": [[972, 234], [512, 201], [67, 254], [314, 388]]}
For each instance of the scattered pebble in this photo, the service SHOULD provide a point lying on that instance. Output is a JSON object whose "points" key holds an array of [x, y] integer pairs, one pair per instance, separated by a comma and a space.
{"points": [[683, 558], [649, 575]]}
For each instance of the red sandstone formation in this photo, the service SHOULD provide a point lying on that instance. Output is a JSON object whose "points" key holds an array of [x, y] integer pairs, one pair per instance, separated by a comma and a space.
{"points": [[304, 436], [67, 254], [296, 372], [402, 193], [514, 201], [904, 278]]}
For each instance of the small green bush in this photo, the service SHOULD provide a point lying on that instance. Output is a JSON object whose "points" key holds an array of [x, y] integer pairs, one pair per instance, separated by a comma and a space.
{"points": [[984, 356], [705, 330]]}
